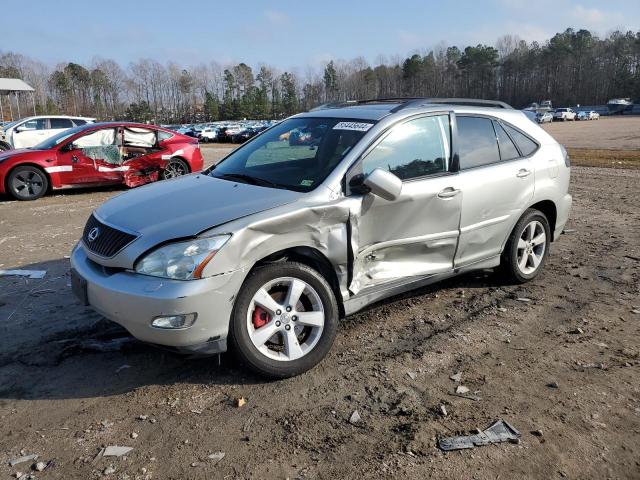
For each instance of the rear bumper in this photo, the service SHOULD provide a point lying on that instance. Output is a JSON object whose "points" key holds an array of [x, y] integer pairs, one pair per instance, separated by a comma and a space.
{"points": [[563, 210], [134, 300]]}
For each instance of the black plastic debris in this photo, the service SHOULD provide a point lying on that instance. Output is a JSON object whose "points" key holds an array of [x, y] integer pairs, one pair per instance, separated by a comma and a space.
{"points": [[500, 431]]}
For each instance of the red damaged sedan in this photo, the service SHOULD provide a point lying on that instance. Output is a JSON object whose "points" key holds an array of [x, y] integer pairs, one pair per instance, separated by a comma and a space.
{"points": [[98, 154]]}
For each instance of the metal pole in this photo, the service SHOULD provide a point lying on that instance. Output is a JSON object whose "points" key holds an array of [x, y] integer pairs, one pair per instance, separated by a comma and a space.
{"points": [[10, 107], [1, 110], [18, 103], [33, 100]]}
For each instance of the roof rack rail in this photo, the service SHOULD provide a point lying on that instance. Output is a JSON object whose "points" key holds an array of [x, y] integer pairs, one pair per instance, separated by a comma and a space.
{"points": [[416, 101], [467, 102]]}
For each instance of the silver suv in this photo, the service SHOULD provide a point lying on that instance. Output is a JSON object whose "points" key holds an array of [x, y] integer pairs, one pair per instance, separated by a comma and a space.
{"points": [[319, 216]]}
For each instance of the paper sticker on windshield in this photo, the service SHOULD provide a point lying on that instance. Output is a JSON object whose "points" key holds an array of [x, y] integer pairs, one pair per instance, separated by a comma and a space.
{"points": [[306, 183], [356, 126]]}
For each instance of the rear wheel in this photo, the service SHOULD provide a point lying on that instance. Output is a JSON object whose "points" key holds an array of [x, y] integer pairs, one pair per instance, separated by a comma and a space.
{"points": [[284, 321], [527, 248], [175, 168], [27, 183]]}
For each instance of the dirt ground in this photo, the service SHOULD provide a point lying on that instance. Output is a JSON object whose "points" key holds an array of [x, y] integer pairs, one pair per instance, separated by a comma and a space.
{"points": [[607, 133], [612, 142], [558, 358]]}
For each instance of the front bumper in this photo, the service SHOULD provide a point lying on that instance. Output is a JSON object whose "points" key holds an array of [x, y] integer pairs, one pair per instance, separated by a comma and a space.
{"points": [[134, 300]]}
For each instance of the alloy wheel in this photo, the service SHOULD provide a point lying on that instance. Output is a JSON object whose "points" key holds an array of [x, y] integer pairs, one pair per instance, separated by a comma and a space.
{"points": [[27, 184], [174, 169], [285, 319], [531, 247]]}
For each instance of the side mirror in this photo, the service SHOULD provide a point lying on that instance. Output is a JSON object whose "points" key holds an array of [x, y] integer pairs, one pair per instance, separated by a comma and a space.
{"points": [[380, 182], [68, 147], [384, 184]]}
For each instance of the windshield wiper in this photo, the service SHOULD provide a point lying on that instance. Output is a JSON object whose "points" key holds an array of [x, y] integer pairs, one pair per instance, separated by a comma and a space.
{"points": [[252, 180]]}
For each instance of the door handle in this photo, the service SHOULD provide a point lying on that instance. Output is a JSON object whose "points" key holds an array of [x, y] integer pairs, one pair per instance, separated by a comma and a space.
{"points": [[523, 173], [448, 192]]}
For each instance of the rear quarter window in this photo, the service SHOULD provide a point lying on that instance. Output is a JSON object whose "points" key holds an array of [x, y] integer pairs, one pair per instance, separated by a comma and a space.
{"points": [[526, 145], [162, 136], [508, 150]]}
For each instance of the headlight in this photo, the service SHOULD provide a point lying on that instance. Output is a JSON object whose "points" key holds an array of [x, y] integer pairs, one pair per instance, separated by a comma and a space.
{"points": [[181, 260]]}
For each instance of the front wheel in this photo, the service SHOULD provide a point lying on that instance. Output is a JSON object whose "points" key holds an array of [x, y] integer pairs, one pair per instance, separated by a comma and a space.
{"points": [[284, 321], [527, 248], [27, 183], [175, 168]]}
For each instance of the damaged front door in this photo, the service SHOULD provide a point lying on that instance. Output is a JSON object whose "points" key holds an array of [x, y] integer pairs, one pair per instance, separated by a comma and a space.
{"points": [[91, 158], [416, 234]]}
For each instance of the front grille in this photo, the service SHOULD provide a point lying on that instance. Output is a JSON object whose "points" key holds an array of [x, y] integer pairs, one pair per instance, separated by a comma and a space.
{"points": [[106, 241]]}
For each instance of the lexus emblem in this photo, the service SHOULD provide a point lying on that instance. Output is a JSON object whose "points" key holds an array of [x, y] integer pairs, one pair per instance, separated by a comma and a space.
{"points": [[93, 234]]}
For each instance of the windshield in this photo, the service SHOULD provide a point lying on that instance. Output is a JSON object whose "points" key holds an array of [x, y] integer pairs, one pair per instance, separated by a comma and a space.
{"points": [[60, 137], [7, 126], [297, 154]]}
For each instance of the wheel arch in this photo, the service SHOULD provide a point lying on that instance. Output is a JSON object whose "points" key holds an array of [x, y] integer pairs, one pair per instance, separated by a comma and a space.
{"points": [[28, 164], [548, 207], [186, 162], [312, 258]]}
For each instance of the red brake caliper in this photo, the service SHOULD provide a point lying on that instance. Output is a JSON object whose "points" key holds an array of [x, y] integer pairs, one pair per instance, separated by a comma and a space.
{"points": [[260, 317]]}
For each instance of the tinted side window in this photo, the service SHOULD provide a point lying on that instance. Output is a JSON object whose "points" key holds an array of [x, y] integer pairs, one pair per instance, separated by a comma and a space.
{"points": [[79, 122], [477, 142], [525, 144], [508, 150], [36, 124], [60, 123], [413, 149]]}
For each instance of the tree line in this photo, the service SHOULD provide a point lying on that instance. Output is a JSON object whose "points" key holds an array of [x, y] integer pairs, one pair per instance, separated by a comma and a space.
{"points": [[572, 67]]}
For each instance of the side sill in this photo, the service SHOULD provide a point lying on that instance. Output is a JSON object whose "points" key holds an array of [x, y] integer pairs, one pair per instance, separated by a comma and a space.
{"points": [[380, 292]]}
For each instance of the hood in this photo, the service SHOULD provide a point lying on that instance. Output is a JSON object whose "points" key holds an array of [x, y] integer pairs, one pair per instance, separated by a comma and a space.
{"points": [[24, 153], [188, 205]]}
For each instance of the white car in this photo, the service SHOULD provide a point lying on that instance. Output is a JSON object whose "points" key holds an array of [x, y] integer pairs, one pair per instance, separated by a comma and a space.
{"points": [[209, 134], [564, 114], [593, 115], [30, 131]]}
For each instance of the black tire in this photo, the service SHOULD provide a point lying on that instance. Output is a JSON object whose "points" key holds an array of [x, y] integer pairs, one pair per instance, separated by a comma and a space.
{"points": [[509, 268], [27, 182], [176, 167], [4, 147], [239, 338]]}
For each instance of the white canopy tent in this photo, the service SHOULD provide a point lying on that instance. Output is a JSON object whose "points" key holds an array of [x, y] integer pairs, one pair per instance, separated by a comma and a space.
{"points": [[15, 86]]}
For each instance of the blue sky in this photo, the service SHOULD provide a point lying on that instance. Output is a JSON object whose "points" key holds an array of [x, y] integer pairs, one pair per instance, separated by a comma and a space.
{"points": [[287, 33]]}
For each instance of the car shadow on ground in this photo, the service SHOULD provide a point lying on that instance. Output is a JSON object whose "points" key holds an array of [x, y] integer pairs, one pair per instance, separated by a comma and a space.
{"points": [[52, 347]]}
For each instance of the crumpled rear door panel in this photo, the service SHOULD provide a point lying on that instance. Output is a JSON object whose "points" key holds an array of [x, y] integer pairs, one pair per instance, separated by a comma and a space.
{"points": [[144, 169]]}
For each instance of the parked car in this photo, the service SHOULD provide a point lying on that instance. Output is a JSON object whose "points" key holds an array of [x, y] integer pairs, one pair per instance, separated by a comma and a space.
{"points": [[246, 134], [582, 115], [30, 131], [593, 115], [189, 132], [263, 252], [208, 134], [98, 154], [546, 117], [226, 133], [564, 114]]}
